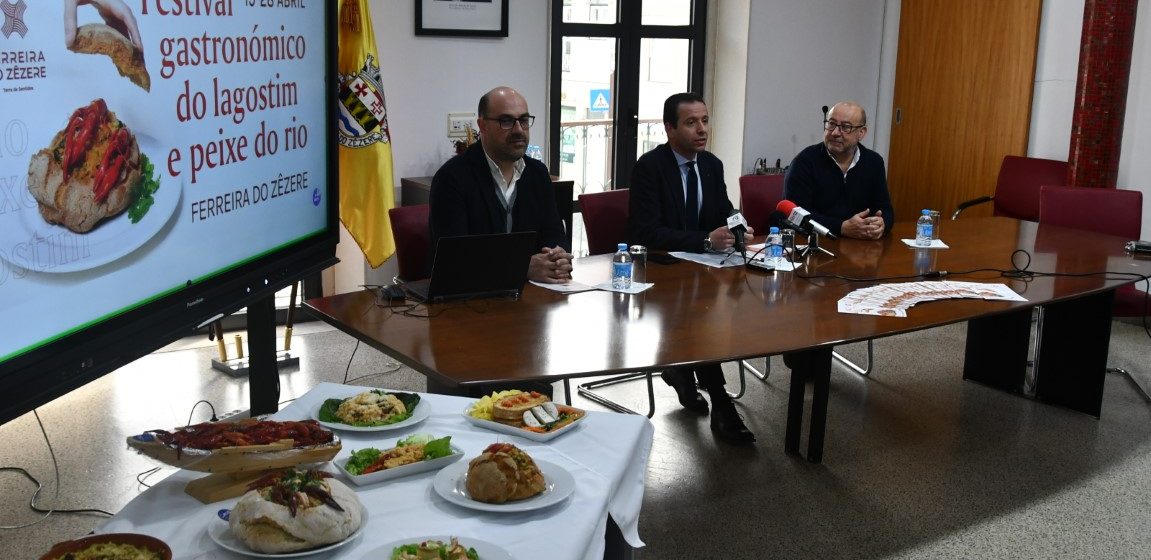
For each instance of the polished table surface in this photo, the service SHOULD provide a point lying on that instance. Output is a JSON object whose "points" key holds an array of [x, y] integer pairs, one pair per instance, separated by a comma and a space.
{"points": [[695, 314]]}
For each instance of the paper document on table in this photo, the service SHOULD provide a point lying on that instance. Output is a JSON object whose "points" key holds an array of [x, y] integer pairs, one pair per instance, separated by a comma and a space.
{"points": [[569, 288], [714, 260], [636, 287], [754, 254], [935, 244], [893, 300]]}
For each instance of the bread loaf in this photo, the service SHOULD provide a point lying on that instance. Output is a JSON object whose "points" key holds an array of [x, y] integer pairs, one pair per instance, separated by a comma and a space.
{"points": [[270, 527], [503, 472]]}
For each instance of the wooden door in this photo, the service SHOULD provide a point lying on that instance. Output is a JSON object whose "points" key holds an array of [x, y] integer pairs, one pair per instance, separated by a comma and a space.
{"points": [[963, 83]]}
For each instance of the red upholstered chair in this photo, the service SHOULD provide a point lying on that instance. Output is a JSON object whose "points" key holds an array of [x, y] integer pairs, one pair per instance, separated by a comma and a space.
{"points": [[1017, 189], [605, 220], [413, 241], [1081, 208], [758, 197]]}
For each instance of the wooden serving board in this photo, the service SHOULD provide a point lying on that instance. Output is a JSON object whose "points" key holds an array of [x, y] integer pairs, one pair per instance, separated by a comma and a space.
{"points": [[238, 459]]}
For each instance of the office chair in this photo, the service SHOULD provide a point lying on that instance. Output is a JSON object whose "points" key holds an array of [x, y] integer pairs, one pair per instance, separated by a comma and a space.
{"points": [[1017, 188], [413, 241], [1081, 208], [758, 197], [605, 217]]}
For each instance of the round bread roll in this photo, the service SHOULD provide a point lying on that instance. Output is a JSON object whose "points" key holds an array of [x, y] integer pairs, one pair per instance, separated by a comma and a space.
{"points": [[503, 472], [269, 527]]}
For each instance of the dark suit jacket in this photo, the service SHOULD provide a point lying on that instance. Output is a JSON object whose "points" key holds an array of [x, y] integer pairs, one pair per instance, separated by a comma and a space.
{"points": [[464, 202], [656, 202]]}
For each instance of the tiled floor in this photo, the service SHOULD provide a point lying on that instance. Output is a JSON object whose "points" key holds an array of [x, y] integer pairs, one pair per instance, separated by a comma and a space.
{"points": [[919, 464]]}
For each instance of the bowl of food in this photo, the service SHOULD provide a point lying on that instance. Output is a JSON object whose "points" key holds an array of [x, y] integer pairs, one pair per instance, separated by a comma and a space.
{"points": [[111, 546]]}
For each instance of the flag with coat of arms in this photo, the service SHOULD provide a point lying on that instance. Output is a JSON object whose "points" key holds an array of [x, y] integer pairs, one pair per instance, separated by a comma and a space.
{"points": [[367, 189]]}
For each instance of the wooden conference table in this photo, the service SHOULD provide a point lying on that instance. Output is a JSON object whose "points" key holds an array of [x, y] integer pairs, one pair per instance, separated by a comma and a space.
{"points": [[697, 315]]}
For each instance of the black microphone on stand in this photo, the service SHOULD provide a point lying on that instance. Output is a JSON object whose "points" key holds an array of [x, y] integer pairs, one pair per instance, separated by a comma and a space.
{"points": [[825, 112]]}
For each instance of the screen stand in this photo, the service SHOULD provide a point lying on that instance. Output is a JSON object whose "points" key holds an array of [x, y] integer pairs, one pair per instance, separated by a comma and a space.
{"points": [[263, 375]]}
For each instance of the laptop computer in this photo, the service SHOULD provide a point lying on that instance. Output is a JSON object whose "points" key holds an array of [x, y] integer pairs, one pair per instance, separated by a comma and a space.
{"points": [[476, 266]]}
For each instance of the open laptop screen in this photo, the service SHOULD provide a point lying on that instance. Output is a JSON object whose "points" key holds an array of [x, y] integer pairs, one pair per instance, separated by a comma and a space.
{"points": [[476, 266]]}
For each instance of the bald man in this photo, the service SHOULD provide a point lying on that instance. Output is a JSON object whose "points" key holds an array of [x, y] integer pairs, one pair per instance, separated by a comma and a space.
{"points": [[842, 183], [493, 188]]}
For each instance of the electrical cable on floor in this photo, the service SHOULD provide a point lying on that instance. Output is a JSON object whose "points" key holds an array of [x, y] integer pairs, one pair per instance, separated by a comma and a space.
{"points": [[348, 369], [39, 486], [144, 475]]}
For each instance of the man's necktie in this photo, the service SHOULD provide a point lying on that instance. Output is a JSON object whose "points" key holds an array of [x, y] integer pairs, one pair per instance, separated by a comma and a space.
{"points": [[692, 196]]}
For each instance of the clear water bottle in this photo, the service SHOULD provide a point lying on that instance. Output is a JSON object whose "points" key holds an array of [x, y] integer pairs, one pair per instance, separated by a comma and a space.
{"points": [[924, 228], [774, 247], [621, 268]]}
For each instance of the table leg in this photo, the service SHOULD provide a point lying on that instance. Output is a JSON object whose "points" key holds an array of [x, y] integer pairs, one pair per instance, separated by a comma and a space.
{"points": [[996, 353], [821, 382], [794, 411], [1072, 360]]}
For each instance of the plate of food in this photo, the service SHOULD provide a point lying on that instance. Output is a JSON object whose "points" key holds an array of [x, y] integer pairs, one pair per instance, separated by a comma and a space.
{"points": [[99, 195], [244, 445], [372, 411], [440, 546], [111, 545], [504, 478], [530, 415], [290, 513], [413, 454]]}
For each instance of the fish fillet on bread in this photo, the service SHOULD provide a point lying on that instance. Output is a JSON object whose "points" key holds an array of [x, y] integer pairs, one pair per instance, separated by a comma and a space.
{"points": [[510, 409], [88, 171], [308, 520], [97, 38]]}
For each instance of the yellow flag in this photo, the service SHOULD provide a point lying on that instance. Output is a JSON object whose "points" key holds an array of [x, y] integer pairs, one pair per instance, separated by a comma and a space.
{"points": [[367, 190]]}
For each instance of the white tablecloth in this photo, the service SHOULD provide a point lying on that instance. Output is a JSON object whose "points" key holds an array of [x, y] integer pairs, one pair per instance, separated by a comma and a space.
{"points": [[607, 454]]}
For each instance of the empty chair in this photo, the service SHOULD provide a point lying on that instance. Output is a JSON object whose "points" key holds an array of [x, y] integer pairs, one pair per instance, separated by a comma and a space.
{"points": [[1017, 188], [605, 220], [413, 241], [1082, 208], [758, 197]]}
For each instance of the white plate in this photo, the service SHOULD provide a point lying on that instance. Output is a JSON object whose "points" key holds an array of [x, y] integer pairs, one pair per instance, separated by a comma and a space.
{"points": [[422, 411], [111, 239], [451, 484], [397, 472], [485, 550], [514, 431], [221, 533]]}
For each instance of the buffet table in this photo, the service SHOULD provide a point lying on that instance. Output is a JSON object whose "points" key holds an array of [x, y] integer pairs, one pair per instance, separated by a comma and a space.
{"points": [[607, 455]]}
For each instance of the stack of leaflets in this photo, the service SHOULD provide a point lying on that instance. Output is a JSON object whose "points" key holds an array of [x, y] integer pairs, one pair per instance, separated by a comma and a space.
{"points": [[893, 300]]}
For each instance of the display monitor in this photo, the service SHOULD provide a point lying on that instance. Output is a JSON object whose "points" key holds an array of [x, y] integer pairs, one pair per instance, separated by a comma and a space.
{"points": [[162, 162]]}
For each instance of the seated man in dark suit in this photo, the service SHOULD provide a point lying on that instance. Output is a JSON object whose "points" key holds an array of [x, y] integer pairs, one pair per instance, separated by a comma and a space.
{"points": [[493, 188], [678, 202]]}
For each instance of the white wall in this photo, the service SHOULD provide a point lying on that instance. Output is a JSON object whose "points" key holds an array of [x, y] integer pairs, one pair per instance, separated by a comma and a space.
{"points": [[1134, 165], [803, 55], [425, 78]]}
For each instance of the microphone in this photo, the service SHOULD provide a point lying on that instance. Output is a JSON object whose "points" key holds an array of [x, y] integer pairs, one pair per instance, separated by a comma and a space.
{"points": [[825, 112], [738, 226], [802, 219]]}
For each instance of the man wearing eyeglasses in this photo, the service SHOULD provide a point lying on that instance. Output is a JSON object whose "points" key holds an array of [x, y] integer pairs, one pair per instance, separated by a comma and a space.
{"points": [[842, 183], [678, 202], [493, 188]]}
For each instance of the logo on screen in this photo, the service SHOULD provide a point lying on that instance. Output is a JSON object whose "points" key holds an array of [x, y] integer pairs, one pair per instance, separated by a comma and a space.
{"points": [[363, 116], [13, 18], [315, 197]]}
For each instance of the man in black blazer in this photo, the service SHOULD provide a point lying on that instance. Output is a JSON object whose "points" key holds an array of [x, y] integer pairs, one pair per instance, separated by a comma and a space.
{"points": [[493, 188], [678, 202]]}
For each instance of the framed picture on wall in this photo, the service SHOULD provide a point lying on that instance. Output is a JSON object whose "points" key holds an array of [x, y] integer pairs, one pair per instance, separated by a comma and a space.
{"points": [[466, 18]]}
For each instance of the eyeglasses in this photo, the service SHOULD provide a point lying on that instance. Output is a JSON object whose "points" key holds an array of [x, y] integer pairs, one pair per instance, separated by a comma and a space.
{"points": [[507, 123], [846, 128]]}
